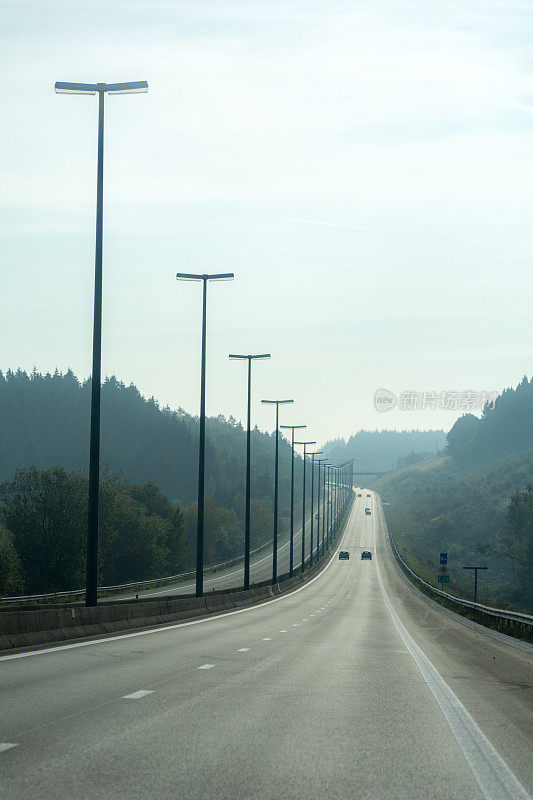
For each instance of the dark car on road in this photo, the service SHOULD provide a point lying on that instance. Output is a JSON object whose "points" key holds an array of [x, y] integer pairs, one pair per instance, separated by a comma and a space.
{"points": [[359, 495], [343, 555], [367, 511], [366, 555]]}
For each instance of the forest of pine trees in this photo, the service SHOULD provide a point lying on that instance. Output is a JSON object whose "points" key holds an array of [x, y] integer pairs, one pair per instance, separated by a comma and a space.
{"points": [[149, 458]]}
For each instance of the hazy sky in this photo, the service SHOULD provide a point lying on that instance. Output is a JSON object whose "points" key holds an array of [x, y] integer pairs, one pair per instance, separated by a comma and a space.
{"points": [[365, 168]]}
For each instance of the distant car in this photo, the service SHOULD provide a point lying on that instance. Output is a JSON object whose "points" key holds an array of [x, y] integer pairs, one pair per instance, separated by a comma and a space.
{"points": [[343, 555], [366, 554], [368, 495], [359, 495], [367, 511]]}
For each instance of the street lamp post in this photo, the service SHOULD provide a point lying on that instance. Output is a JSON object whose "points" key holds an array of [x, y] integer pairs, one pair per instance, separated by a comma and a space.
{"points": [[328, 505], [277, 403], [291, 544], [335, 499], [320, 462], [316, 453], [303, 504], [331, 500], [187, 276], [249, 358], [62, 87]]}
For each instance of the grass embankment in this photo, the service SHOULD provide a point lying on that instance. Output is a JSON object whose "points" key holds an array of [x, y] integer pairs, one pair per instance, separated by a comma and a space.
{"points": [[441, 505]]}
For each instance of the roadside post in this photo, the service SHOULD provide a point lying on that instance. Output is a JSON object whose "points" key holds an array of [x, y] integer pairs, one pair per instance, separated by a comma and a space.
{"points": [[443, 576], [475, 579]]}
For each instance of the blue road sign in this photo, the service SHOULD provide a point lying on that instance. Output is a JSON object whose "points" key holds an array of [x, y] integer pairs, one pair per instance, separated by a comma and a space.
{"points": [[443, 578], [444, 558]]}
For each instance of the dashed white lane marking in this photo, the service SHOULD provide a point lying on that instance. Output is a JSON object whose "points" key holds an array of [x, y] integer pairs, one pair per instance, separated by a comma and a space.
{"points": [[311, 615], [267, 639], [243, 649], [284, 631], [295, 625], [7, 746], [304, 620], [137, 695], [206, 666]]}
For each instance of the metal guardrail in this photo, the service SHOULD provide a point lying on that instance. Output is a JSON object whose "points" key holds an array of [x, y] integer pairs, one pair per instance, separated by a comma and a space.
{"points": [[134, 585], [511, 616]]}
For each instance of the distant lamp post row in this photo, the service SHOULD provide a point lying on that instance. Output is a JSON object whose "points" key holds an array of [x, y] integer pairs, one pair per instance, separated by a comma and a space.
{"points": [[91, 596], [320, 462], [292, 428], [303, 502], [316, 453], [101, 89]]}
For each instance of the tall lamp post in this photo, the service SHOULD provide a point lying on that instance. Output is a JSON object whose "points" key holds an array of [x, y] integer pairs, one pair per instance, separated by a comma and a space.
{"points": [[291, 544], [277, 403], [303, 504], [316, 453], [335, 498], [187, 276], [249, 358], [62, 87], [320, 462], [328, 504]]}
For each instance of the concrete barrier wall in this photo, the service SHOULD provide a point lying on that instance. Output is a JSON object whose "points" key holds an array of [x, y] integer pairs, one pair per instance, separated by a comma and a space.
{"points": [[22, 628]]}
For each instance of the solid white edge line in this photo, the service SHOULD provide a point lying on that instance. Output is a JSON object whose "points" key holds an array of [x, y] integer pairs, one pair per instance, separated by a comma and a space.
{"points": [[493, 776], [150, 631], [7, 746]]}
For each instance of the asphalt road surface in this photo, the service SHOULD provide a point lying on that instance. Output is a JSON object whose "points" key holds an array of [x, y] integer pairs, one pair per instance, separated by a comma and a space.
{"points": [[350, 687]]}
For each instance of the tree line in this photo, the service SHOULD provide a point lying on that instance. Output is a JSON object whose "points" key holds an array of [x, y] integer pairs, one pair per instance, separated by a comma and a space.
{"points": [[43, 531], [384, 450], [475, 501], [44, 422], [148, 489], [504, 428]]}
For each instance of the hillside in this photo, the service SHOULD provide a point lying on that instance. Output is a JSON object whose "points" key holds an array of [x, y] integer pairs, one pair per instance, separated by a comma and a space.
{"points": [[148, 510], [44, 422], [462, 502], [382, 450]]}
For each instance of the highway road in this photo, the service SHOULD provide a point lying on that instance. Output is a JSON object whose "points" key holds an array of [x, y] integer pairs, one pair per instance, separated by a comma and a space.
{"points": [[350, 687]]}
